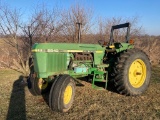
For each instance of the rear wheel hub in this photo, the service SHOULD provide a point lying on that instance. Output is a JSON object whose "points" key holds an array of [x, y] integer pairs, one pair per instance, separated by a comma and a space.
{"points": [[137, 73]]}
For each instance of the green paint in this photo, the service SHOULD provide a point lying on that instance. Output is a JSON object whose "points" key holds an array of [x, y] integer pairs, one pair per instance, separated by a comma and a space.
{"points": [[51, 58], [122, 46], [54, 59]]}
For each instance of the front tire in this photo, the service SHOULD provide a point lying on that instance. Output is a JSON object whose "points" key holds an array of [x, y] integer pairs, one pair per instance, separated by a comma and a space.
{"points": [[62, 94], [37, 86], [133, 72]]}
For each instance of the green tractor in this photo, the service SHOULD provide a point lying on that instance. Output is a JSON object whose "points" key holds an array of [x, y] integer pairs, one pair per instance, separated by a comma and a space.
{"points": [[55, 66]]}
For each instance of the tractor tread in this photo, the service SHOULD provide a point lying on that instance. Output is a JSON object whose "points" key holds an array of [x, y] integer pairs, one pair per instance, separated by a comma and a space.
{"points": [[121, 81]]}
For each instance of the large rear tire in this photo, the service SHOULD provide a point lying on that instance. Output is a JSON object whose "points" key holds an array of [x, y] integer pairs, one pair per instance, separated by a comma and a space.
{"points": [[62, 94], [133, 72]]}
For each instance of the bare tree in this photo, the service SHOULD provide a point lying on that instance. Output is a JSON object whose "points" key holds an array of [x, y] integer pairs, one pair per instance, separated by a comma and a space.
{"points": [[150, 45], [9, 27], [70, 18], [106, 24], [44, 25], [48, 24]]}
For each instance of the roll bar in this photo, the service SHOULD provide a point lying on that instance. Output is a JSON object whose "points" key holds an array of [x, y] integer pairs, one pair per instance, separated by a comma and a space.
{"points": [[111, 41]]}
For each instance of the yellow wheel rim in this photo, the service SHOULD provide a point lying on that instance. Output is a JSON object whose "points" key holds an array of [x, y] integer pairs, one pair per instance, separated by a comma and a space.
{"points": [[137, 73], [67, 94], [42, 84]]}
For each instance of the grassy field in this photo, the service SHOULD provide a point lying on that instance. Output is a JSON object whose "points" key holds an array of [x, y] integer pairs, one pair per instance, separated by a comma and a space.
{"points": [[16, 103]]}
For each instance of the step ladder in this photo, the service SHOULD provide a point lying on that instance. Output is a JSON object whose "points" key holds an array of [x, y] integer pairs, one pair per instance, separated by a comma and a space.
{"points": [[100, 76]]}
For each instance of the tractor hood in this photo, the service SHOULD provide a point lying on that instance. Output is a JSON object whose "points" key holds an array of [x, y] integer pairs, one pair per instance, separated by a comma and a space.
{"points": [[67, 47]]}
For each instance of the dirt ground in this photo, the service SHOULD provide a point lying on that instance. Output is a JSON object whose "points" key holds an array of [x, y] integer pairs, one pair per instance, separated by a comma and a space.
{"points": [[16, 103]]}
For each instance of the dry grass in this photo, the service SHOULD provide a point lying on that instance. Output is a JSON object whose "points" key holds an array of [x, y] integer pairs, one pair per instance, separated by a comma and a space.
{"points": [[17, 103]]}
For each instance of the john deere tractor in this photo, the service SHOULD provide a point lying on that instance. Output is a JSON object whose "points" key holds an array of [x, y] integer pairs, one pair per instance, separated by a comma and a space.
{"points": [[56, 66]]}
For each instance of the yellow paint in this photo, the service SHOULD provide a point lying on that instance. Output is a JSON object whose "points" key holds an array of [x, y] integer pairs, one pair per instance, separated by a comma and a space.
{"points": [[99, 51], [53, 50], [42, 84], [137, 73], [74, 50], [37, 50], [67, 94], [111, 46], [34, 50]]}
